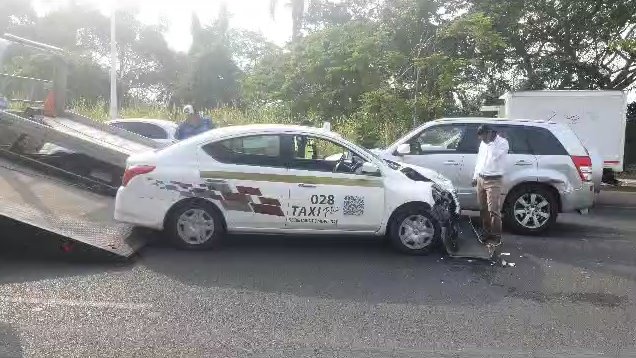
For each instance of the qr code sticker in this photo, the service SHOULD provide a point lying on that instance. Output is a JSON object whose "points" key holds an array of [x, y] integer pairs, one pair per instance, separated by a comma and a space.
{"points": [[353, 205]]}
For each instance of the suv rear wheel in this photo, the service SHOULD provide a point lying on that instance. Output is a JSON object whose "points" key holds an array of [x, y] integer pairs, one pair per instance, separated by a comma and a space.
{"points": [[530, 209]]}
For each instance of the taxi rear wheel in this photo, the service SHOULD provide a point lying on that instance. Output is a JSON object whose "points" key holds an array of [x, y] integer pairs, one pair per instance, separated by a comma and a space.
{"points": [[414, 231], [195, 226]]}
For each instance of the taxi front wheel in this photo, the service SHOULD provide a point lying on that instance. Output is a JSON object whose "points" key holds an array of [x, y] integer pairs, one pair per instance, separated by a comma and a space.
{"points": [[414, 231], [195, 226]]}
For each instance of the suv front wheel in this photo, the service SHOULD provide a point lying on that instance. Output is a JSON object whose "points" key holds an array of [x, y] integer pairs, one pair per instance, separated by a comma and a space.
{"points": [[530, 209]]}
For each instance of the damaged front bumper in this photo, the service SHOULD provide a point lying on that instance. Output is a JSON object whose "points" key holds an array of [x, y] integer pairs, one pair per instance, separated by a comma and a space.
{"points": [[446, 212]]}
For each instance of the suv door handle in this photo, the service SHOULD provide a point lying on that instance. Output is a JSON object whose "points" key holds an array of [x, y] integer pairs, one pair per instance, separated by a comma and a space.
{"points": [[302, 185], [523, 163], [450, 162]]}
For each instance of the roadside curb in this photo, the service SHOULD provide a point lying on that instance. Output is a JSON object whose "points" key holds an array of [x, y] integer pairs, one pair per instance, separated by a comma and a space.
{"points": [[616, 198], [623, 188]]}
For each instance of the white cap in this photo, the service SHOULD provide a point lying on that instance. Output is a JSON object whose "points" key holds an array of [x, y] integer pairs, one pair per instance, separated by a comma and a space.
{"points": [[188, 109]]}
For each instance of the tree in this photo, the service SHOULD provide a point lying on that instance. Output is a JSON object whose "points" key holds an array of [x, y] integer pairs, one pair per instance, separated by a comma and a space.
{"points": [[569, 44], [15, 13], [212, 76], [297, 13], [147, 66], [325, 74], [630, 134]]}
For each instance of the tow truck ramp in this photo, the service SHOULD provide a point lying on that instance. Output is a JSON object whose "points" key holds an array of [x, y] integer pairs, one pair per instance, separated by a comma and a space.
{"points": [[62, 203], [78, 133]]}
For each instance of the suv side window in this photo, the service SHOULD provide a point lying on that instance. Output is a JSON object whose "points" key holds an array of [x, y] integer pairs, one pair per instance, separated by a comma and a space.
{"points": [[257, 150], [444, 138], [543, 142], [517, 138], [515, 135]]}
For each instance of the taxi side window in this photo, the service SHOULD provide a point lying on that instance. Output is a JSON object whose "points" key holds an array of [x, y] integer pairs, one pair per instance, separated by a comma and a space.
{"points": [[261, 150], [319, 154]]}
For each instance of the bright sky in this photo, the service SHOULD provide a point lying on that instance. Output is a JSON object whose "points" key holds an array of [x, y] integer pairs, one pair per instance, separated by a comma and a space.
{"points": [[247, 14]]}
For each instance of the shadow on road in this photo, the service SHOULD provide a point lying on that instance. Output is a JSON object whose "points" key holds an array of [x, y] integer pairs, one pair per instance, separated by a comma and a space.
{"points": [[31, 254], [591, 243], [10, 346], [360, 269]]}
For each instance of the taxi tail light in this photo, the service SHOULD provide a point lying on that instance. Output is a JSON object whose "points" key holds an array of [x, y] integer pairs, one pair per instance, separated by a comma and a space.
{"points": [[583, 165], [134, 171]]}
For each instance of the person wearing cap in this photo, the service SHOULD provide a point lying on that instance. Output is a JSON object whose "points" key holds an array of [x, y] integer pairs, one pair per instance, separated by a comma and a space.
{"points": [[193, 125], [488, 178]]}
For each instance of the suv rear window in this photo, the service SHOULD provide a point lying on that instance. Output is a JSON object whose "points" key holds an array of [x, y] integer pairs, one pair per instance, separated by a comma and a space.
{"points": [[543, 142]]}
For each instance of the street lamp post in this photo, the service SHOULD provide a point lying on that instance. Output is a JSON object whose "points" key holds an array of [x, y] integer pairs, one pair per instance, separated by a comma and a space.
{"points": [[113, 67]]}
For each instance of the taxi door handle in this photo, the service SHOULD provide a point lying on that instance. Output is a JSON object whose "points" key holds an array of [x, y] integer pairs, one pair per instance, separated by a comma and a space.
{"points": [[306, 185], [523, 163], [451, 162]]}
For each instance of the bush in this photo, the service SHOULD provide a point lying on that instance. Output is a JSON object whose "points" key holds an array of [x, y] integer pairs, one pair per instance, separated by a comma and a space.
{"points": [[367, 129]]}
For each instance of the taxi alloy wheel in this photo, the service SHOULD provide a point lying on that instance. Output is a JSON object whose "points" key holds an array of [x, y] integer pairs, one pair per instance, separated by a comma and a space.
{"points": [[414, 231], [195, 226]]}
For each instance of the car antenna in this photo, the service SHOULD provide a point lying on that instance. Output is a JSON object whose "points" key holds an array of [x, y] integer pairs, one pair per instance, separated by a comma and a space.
{"points": [[552, 117]]}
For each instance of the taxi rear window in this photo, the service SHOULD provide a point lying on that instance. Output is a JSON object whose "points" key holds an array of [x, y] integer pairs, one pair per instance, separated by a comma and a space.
{"points": [[250, 150]]}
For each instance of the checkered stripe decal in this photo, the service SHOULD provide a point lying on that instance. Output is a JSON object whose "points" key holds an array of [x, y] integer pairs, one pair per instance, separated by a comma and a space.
{"points": [[243, 198]]}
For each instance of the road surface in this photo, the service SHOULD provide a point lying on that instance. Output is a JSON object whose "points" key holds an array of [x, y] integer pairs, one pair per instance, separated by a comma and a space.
{"points": [[571, 293]]}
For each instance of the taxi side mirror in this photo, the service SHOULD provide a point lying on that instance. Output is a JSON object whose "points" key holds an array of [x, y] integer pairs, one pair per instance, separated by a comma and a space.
{"points": [[370, 169], [404, 149]]}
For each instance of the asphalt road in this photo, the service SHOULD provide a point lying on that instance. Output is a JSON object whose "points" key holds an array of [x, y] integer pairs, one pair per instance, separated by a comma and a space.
{"points": [[571, 293]]}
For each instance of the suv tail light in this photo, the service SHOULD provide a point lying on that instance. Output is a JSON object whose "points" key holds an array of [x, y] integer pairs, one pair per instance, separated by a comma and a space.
{"points": [[584, 167], [134, 171]]}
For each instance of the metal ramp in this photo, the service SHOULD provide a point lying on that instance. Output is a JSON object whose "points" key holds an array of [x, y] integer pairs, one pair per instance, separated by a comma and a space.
{"points": [[81, 134], [467, 244], [74, 209]]}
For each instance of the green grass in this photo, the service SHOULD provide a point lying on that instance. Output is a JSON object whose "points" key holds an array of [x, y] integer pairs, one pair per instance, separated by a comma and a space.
{"points": [[350, 128], [226, 116]]}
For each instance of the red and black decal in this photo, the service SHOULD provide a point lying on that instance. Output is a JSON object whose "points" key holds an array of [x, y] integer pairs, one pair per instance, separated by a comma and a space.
{"points": [[239, 200]]}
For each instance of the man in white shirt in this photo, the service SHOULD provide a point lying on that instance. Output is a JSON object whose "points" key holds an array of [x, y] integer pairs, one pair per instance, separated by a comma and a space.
{"points": [[488, 177]]}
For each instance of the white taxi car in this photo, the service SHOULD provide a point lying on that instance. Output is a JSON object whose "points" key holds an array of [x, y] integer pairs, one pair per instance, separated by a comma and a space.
{"points": [[282, 179]]}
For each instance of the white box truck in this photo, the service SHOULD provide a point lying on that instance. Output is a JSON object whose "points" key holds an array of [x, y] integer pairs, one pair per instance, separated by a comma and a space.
{"points": [[597, 117]]}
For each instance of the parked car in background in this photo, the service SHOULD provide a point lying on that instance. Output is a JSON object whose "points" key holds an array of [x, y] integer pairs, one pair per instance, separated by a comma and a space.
{"points": [[160, 130], [548, 170]]}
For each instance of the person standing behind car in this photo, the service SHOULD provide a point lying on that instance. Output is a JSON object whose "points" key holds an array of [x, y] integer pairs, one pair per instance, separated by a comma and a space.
{"points": [[488, 177], [193, 125]]}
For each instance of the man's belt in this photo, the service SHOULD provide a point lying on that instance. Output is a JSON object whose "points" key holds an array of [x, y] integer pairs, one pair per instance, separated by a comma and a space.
{"points": [[490, 177]]}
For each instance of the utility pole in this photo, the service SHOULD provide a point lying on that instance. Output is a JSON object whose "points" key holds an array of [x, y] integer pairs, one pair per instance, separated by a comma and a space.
{"points": [[417, 89], [113, 66]]}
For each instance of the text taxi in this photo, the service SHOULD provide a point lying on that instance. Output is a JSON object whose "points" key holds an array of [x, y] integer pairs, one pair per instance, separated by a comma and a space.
{"points": [[282, 179]]}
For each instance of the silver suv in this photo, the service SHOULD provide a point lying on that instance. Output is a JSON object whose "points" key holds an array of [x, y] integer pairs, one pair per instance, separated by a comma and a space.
{"points": [[548, 170]]}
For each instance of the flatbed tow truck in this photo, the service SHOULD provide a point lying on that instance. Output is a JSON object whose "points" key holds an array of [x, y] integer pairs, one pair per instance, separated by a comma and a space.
{"points": [[77, 208]]}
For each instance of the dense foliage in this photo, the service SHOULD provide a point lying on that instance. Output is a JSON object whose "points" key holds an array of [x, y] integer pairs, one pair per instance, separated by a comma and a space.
{"points": [[374, 68]]}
